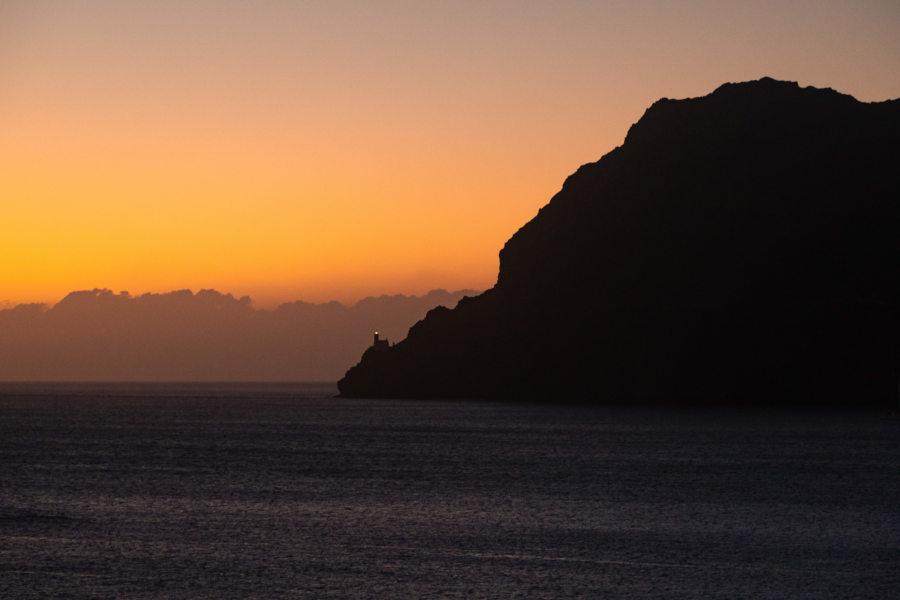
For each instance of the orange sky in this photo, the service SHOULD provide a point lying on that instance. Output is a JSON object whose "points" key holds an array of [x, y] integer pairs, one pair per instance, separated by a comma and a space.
{"points": [[332, 150]]}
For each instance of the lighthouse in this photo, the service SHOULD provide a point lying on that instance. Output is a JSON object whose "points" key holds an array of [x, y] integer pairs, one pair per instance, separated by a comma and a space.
{"points": [[378, 343]]}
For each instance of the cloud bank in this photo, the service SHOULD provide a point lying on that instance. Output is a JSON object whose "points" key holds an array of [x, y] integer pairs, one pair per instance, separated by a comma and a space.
{"points": [[99, 335]]}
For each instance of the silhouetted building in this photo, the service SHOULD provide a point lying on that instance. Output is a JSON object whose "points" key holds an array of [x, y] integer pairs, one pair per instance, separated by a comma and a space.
{"points": [[380, 344]]}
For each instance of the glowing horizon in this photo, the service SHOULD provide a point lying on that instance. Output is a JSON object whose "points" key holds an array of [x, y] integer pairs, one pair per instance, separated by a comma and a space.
{"points": [[339, 150]]}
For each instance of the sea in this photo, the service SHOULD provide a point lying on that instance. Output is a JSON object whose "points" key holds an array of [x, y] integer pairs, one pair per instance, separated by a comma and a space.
{"points": [[222, 491]]}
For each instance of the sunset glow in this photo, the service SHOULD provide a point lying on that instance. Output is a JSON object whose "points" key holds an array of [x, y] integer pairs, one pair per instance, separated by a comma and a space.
{"points": [[318, 151]]}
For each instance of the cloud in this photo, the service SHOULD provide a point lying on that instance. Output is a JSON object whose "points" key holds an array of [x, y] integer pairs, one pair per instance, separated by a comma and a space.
{"points": [[102, 335]]}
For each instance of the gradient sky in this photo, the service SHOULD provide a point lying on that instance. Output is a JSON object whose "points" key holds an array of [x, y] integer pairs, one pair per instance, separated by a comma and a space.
{"points": [[332, 150]]}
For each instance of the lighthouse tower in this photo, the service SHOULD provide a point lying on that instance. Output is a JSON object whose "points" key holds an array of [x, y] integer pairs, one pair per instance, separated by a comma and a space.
{"points": [[379, 344]]}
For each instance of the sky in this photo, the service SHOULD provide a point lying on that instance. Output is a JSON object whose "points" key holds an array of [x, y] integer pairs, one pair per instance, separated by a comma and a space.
{"points": [[334, 150]]}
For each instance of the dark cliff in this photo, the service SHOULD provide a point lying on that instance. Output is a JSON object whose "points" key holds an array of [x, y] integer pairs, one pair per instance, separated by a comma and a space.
{"points": [[741, 246]]}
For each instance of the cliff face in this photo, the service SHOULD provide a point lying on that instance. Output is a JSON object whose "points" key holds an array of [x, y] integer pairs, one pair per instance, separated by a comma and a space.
{"points": [[741, 246]]}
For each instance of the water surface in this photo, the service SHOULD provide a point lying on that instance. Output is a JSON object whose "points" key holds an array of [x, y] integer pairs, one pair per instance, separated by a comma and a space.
{"points": [[280, 491]]}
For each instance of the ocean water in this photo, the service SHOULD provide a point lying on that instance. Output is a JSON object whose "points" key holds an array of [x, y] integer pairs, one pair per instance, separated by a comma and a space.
{"points": [[280, 491]]}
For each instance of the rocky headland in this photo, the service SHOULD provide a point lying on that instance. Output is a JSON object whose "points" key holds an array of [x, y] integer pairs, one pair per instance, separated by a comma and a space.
{"points": [[740, 247]]}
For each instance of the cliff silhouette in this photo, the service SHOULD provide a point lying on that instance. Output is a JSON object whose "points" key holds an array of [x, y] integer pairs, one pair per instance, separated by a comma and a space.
{"points": [[740, 247], [98, 335]]}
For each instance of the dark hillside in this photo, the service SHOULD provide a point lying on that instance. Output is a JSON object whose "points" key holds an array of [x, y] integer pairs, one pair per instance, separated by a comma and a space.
{"points": [[741, 246]]}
